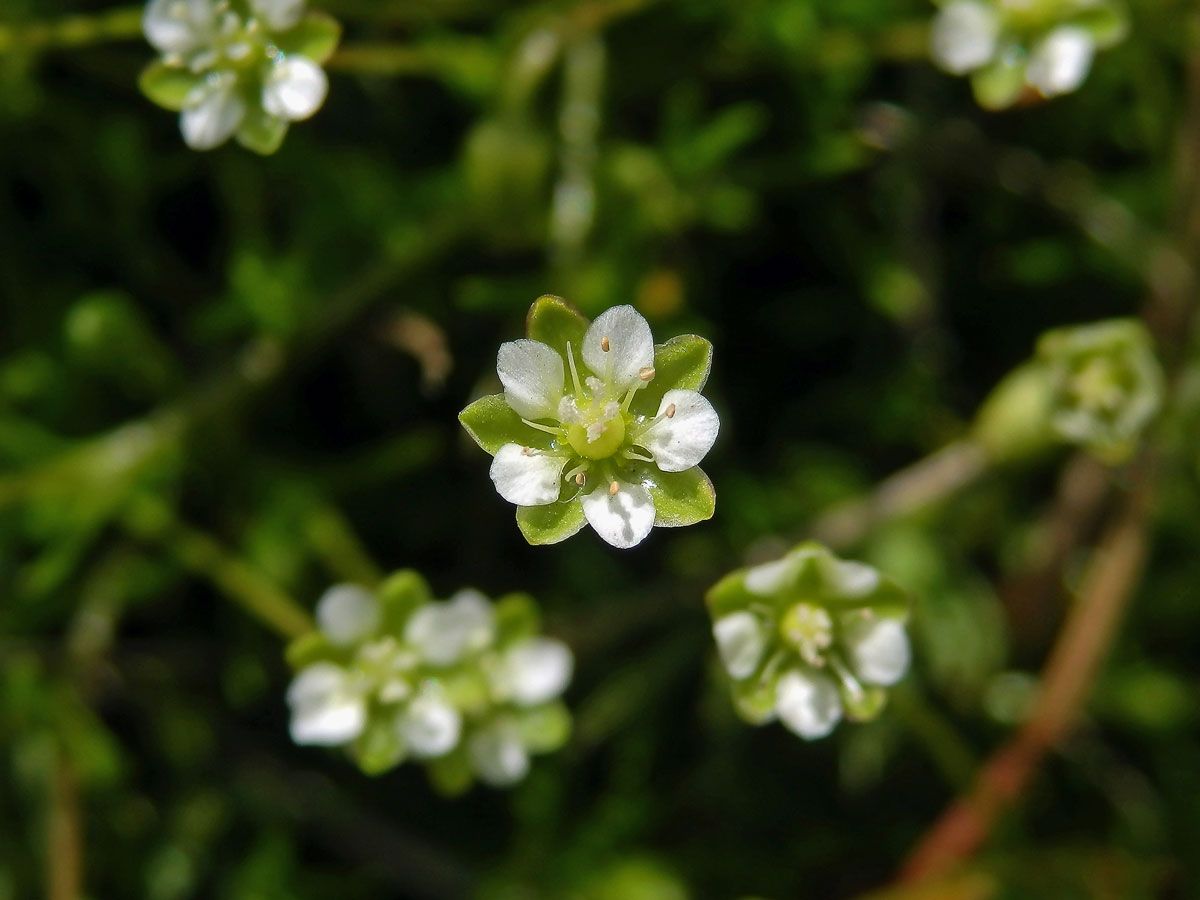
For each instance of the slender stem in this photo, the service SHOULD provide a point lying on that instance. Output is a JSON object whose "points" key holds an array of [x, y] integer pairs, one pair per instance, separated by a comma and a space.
{"points": [[121, 24], [153, 520], [64, 833], [1108, 585], [334, 540]]}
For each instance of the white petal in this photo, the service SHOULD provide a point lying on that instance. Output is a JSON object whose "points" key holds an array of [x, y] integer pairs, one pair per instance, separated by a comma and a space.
{"points": [[532, 375], [681, 441], [443, 632], [772, 577], [630, 346], [808, 703], [211, 113], [879, 650], [964, 36], [498, 755], [852, 579], [294, 89], [177, 26], [741, 640], [1060, 62], [278, 14], [624, 518], [536, 670], [325, 708], [527, 477], [347, 613], [430, 725]]}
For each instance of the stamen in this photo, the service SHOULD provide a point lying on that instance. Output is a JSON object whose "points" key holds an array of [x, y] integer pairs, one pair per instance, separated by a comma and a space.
{"points": [[581, 478], [527, 451], [646, 373], [557, 432], [671, 411], [604, 344], [577, 474], [633, 454], [613, 488], [574, 371]]}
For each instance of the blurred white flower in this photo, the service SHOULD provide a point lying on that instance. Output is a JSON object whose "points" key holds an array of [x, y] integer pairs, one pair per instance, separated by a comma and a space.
{"points": [[1060, 61], [964, 36]]}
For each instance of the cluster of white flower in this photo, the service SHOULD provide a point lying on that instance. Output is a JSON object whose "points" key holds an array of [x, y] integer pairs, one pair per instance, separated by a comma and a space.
{"points": [[809, 638], [237, 67], [395, 675], [1009, 45]]}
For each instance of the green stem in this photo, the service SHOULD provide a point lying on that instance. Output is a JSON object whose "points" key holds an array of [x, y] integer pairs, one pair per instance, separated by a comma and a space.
{"points": [[344, 555], [121, 24], [152, 520]]}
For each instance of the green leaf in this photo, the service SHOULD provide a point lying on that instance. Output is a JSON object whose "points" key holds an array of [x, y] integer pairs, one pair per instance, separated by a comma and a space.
{"points": [[554, 321], [492, 423], [517, 617], [400, 595], [167, 86], [451, 775], [316, 36], [551, 523], [545, 728], [261, 132], [683, 362], [682, 498]]}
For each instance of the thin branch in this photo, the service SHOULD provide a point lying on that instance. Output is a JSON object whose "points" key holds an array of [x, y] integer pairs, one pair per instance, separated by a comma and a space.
{"points": [[64, 833], [1108, 585]]}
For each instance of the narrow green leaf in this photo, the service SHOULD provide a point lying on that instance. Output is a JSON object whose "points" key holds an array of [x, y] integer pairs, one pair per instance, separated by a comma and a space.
{"points": [[554, 321], [492, 423], [261, 132], [545, 728], [551, 523], [167, 86], [683, 362], [682, 498], [517, 618], [315, 36]]}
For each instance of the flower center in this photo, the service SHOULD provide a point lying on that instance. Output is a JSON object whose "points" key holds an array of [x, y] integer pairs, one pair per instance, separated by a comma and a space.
{"points": [[1097, 386], [599, 432], [809, 629]]}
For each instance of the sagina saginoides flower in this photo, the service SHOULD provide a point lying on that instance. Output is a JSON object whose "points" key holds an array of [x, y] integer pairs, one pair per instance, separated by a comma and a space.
{"points": [[237, 68], [598, 425], [1009, 46], [810, 638], [464, 685]]}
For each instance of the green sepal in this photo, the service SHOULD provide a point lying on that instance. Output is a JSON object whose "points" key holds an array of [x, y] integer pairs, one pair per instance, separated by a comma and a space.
{"points": [[167, 86], [261, 132], [545, 728], [754, 699], [682, 498], [555, 322], [551, 523], [682, 363], [307, 649], [451, 775], [864, 704], [315, 36], [399, 595], [465, 688], [1014, 421], [492, 423], [517, 618], [999, 85], [1107, 24], [379, 748], [728, 595]]}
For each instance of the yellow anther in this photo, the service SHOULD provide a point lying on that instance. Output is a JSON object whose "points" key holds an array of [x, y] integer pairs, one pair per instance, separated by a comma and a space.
{"points": [[671, 411], [646, 373], [604, 344], [581, 478], [613, 488]]}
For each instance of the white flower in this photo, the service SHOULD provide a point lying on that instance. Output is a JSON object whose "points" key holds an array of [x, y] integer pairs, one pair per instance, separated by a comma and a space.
{"points": [[807, 702], [347, 613], [611, 453], [430, 725], [1059, 62], [443, 633], [534, 671], [294, 88], [741, 639], [498, 754], [328, 705], [879, 650], [964, 36]]}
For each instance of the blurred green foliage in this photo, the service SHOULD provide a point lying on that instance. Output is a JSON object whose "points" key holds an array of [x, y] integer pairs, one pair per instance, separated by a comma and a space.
{"points": [[227, 382]]}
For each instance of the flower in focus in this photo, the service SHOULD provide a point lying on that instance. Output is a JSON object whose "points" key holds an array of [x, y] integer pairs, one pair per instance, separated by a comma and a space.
{"points": [[1009, 47], [598, 425], [810, 638], [464, 685], [237, 68]]}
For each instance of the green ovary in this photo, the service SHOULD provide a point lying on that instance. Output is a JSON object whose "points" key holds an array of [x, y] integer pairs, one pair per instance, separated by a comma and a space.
{"points": [[606, 443]]}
